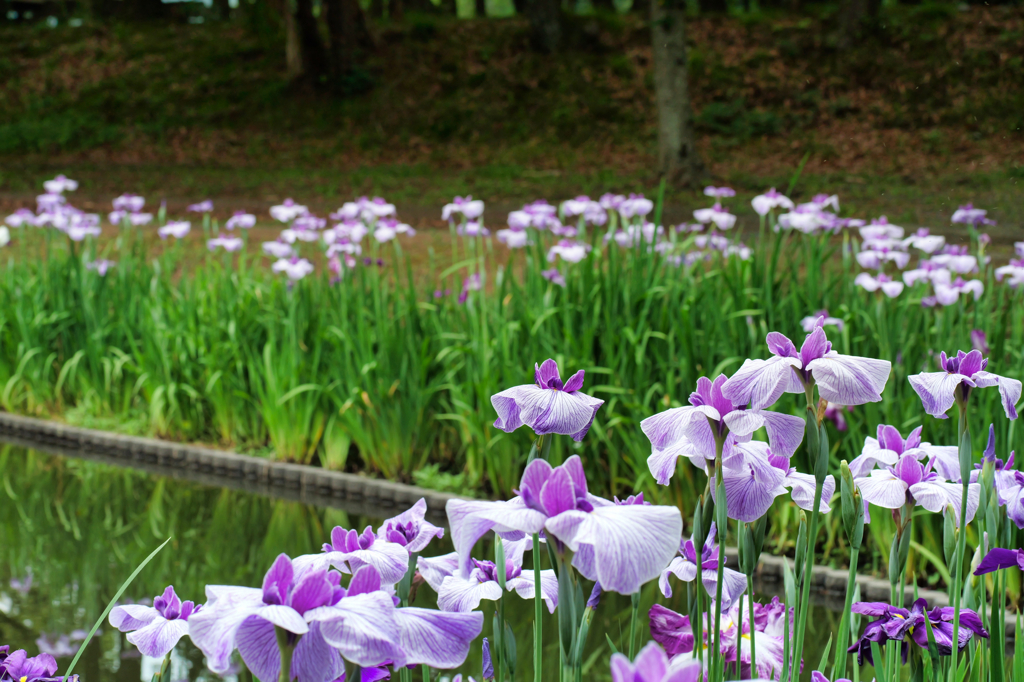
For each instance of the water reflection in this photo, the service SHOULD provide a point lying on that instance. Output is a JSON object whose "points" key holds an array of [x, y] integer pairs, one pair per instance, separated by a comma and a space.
{"points": [[72, 530]]}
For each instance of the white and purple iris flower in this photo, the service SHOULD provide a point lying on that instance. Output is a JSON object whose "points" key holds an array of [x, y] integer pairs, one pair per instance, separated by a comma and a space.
{"points": [[968, 215], [60, 184], [1007, 481], [687, 565], [909, 482], [961, 374], [620, 546], [513, 238], [883, 282], [653, 665], [410, 529], [229, 244], [455, 593], [350, 551], [923, 240], [156, 629], [635, 206], [719, 192], [888, 446], [808, 323], [841, 379], [287, 211], [176, 228], [554, 276], [909, 625], [467, 207], [277, 249], [240, 219], [716, 215], [548, 406], [583, 206], [769, 201], [569, 251], [204, 206], [295, 268], [675, 632]]}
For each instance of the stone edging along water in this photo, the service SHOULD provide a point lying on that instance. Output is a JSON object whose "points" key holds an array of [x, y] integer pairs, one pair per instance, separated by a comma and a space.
{"points": [[313, 485]]}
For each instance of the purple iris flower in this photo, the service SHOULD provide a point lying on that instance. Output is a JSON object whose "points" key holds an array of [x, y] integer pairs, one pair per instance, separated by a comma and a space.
{"points": [[316, 615], [204, 206], [965, 371], [969, 215], [553, 276], [620, 546], [410, 529], [240, 219], [469, 208], [834, 413], [998, 559], [60, 184], [22, 585], [131, 203], [455, 593], [176, 228], [549, 406], [513, 238], [277, 249], [841, 379], [350, 551], [979, 341], [229, 244], [692, 430], [887, 448], [719, 192], [287, 211], [635, 205], [772, 199], [101, 266], [685, 567], [653, 665], [18, 667], [906, 625], [675, 632], [155, 629], [1008, 482], [910, 482]]}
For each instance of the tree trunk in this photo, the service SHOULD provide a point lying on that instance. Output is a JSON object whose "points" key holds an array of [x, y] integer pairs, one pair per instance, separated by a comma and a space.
{"points": [[292, 46], [678, 160], [545, 18], [314, 55], [481, 8], [713, 6], [336, 32], [223, 9]]}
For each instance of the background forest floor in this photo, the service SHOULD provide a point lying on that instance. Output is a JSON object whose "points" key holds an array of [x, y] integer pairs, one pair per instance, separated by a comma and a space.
{"points": [[923, 114]]}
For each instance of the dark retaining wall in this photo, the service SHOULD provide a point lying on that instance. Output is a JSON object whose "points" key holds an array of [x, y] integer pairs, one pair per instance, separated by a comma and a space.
{"points": [[356, 494]]}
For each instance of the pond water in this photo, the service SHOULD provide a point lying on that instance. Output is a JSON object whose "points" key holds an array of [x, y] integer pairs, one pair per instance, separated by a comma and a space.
{"points": [[72, 530]]}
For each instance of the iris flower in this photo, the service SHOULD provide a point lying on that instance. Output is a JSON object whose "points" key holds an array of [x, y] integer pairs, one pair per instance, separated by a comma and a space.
{"points": [[841, 379], [295, 268], [455, 593], [554, 276], [808, 323], [469, 208], [890, 287], [202, 207], [549, 406], [717, 215], [888, 446], [410, 529], [155, 629], [971, 216], [277, 249], [176, 228], [686, 566], [568, 250], [769, 201], [131, 203], [60, 184], [635, 205], [906, 625], [619, 546], [998, 559], [240, 219], [514, 238], [229, 244], [349, 551], [286, 211], [18, 667], [961, 374], [652, 665], [909, 482], [719, 192]]}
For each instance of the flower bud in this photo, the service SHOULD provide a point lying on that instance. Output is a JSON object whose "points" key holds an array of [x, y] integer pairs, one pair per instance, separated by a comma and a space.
{"points": [[949, 534], [801, 548], [966, 457]]}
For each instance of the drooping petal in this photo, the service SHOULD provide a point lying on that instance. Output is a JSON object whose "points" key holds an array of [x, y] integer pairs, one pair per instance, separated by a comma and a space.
{"points": [[435, 569], [314, 660], [631, 544], [997, 559], [470, 520], [734, 584], [665, 428], [132, 617], [671, 630], [363, 629], [257, 644], [1009, 389], [548, 410], [849, 379], [762, 382], [651, 663], [213, 628], [524, 587], [802, 488], [936, 495], [436, 639], [937, 390], [883, 489], [158, 638], [751, 488], [463, 595], [680, 568]]}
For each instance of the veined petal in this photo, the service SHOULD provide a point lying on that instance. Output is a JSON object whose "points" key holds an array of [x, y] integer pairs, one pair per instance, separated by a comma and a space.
{"points": [[937, 390], [947, 459], [665, 428], [213, 628], [132, 617], [869, 459], [802, 488], [671, 630], [364, 629], [470, 520], [762, 382], [883, 489], [680, 568], [436, 639], [751, 488], [1009, 390], [504, 403], [734, 584], [257, 645], [554, 411], [464, 595], [314, 660], [631, 544], [849, 379], [283, 617], [785, 432], [435, 569], [935, 495], [158, 638], [524, 587]]}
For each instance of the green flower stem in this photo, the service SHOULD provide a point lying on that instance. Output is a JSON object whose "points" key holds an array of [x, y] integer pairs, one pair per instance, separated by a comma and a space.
{"points": [[750, 604], [538, 613], [842, 643], [287, 648]]}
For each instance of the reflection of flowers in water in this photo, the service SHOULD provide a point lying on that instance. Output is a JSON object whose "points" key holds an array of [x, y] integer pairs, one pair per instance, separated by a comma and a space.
{"points": [[60, 646], [22, 585]]}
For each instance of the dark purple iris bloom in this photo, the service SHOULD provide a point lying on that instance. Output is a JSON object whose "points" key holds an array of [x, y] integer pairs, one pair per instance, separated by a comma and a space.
{"points": [[549, 406], [18, 667], [960, 374], [998, 559], [903, 625], [156, 629]]}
